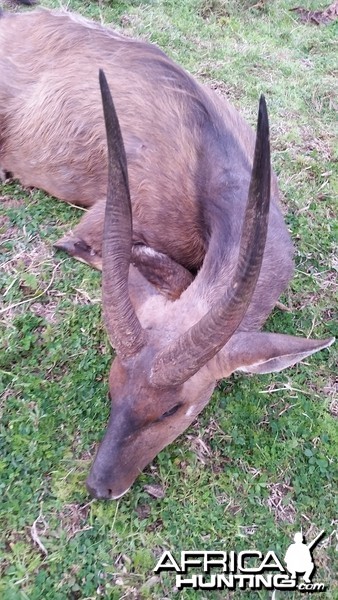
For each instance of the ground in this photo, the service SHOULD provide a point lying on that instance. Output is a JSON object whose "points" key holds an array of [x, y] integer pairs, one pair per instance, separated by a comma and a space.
{"points": [[259, 464]]}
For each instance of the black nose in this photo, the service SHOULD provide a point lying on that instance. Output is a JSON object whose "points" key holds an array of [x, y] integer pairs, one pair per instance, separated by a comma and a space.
{"points": [[98, 487], [98, 491]]}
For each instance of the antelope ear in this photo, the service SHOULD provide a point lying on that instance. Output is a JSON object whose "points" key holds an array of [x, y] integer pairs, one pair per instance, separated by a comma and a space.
{"points": [[254, 352]]}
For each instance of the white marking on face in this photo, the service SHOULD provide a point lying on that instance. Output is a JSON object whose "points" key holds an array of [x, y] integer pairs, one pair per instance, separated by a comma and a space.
{"points": [[149, 251], [190, 411], [120, 496]]}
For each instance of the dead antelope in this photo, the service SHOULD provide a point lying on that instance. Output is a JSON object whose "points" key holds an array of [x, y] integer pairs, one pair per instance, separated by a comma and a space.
{"points": [[195, 197], [189, 152]]}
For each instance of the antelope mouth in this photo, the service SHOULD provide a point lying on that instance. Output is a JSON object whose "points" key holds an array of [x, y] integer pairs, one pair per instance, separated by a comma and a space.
{"points": [[104, 493], [112, 497], [103, 489]]}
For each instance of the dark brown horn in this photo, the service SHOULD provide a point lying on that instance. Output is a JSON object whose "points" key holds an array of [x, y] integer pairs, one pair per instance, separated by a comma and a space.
{"points": [[123, 327], [185, 356]]}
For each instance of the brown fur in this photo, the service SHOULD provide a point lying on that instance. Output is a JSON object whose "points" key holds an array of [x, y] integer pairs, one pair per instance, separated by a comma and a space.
{"points": [[170, 354], [189, 152], [189, 156]]}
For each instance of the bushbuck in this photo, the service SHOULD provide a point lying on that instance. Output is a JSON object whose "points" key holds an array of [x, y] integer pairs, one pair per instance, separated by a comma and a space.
{"points": [[188, 203]]}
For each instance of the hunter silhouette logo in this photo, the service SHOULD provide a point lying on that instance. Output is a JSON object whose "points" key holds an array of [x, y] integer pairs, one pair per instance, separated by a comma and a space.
{"points": [[245, 570], [298, 557]]}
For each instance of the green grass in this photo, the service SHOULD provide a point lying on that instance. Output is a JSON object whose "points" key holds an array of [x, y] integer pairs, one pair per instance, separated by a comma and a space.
{"points": [[261, 460]]}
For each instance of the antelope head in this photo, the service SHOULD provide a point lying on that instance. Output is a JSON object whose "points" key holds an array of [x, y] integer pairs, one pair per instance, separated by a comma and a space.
{"points": [[170, 354]]}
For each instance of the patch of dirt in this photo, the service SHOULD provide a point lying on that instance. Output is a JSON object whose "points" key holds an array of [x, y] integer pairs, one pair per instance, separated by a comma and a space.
{"points": [[230, 505], [323, 145], [45, 310], [216, 8], [143, 511], [275, 502], [333, 408], [154, 490], [205, 75], [31, 254], [83, 298], [130, 23], [317, 17], [8, 231], [156, 526], [10, 202], [200, 448], [28, 271], [222, 89], [73, 518]]}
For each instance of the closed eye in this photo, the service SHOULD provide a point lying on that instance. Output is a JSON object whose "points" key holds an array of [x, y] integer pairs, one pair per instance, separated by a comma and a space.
{"points": [[170, 412]]}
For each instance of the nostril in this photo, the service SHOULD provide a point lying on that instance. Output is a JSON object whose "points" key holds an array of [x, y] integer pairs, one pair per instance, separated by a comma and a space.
{"points": [[99, 492]]}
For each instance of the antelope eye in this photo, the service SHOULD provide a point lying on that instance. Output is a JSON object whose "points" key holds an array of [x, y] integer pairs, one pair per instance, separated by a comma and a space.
{"points": [[170, 412]]}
